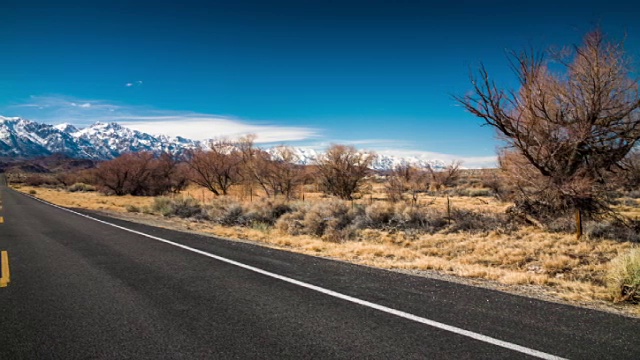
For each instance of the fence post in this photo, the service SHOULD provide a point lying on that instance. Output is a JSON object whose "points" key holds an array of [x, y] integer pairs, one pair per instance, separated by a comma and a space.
{"points": [[578, 224], [448, 211]]}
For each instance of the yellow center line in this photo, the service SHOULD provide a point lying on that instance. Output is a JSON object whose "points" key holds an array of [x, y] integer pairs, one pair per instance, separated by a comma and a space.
{"points": [[1, 219], [6, 276]]}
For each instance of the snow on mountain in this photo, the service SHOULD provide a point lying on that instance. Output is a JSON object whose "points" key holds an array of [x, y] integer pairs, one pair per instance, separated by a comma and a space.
{"points": [[306, 156], [66, 127], [22, 138], [100, 141]]}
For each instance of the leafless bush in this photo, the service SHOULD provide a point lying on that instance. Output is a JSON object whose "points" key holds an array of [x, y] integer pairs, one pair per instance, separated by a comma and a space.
{"points": [[405, 179], [446, 177], [40, 180], [276, 173], [139, 174]]}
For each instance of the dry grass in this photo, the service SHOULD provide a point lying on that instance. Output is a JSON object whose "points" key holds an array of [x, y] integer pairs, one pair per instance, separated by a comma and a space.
{"points": [[552, 264], [88, 200]]}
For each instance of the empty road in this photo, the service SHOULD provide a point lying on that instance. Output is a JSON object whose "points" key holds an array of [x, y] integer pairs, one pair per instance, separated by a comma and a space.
{"points": [[81, 288]]}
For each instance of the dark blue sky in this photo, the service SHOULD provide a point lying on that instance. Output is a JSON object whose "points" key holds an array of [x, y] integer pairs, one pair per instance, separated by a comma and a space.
{"points": [[378, 74]]}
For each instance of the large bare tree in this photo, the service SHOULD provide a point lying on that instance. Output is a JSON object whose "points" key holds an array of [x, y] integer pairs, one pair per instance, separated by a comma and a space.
{"points": [[217, 168], [564, 130], [342, 169]]}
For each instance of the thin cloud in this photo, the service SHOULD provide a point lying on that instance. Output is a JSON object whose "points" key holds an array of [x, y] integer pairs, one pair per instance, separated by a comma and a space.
{"points": [[196, 126], [202, 127], [135, 83], [84, 106]]}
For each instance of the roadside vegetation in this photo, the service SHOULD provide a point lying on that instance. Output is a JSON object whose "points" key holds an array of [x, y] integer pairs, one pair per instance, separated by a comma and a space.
{"points": [[558, 217]]}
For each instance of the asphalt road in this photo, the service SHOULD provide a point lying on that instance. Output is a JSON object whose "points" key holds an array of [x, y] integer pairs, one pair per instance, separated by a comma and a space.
{"points": [[83, 289]]}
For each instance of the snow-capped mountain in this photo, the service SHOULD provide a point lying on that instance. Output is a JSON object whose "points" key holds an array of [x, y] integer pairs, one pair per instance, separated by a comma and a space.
{"points": [[21, 138], [26, 139]]}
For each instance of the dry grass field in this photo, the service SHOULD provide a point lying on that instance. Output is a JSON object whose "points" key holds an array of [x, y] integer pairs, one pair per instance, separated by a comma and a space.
{"points": [[554, 266]]}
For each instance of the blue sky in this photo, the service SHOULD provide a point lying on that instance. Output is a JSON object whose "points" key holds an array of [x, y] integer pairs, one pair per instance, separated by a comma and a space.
{"points": [[376, 74]]}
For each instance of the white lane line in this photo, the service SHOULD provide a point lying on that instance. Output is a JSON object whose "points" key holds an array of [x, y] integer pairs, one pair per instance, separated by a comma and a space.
{"points": [[388, 310]]}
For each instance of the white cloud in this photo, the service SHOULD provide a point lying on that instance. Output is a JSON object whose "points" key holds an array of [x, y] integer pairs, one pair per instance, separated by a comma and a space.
{"points": [[135, 83], [202, 127], [83, 112]]}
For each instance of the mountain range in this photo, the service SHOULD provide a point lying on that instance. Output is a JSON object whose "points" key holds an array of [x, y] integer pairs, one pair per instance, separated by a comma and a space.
{"points": [[22, 138]]}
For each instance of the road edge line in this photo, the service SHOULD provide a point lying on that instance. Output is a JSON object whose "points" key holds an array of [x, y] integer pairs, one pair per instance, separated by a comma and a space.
{"points": [[388, 310], [6, 274]]}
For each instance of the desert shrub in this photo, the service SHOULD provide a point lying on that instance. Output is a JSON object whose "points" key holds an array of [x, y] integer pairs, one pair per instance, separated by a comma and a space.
{"points": [[379, 214], [612, 230], [132, 208], [480, 192], [267, 211], [470, 192], [226, 211], [186, 207], [291, 223], [233, 215], [331, 220], [81, 187], [562, 224], [623, 277], [182, 207], [262, 227], [32, 192], [634, 194], [474, 221], [330, 215], [413, 217], [161, 205]]}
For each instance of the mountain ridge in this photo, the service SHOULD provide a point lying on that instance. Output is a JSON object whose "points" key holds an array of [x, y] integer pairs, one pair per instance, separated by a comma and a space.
{"points": [[22, 138]]}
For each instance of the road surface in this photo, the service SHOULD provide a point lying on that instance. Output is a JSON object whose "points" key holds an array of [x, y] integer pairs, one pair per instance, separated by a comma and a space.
{"points": [[80, 289]]}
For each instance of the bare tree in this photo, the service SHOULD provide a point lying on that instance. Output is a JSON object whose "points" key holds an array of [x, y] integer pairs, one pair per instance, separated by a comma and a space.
{"points": [[444, 177], [628, 177], [169, 174], [405, 178], [125, 174], [342, 169], [255, 164], [564, 131], [282, 174], [218, 168]]}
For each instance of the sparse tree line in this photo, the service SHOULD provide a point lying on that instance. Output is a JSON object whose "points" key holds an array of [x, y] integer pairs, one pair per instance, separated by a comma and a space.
{"points": [[342, 171]]}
